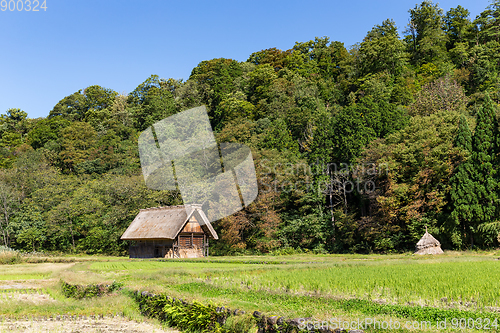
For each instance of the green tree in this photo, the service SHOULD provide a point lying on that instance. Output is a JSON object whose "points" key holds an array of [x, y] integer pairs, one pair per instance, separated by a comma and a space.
{"points": [[28, 226], [462, 192], [425, 36], [12, 120], [457, 26], [98, 104], [98, 98], [235, 106], [46, 130], [78, 142], [412, 179], [484, 206], [350, 134], [152, 101], [71, 107], [382, 50], [279, 137], [13, 129], [487, 24], [216, 80], [318, 56], [258, 84], [484, 66], [9, 201]]}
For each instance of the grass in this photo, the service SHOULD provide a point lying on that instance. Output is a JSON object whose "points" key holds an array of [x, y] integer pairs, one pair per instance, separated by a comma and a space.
{"points": [[447, 281], [9, 256], [397, 282], [18, 277], [390, 287]]}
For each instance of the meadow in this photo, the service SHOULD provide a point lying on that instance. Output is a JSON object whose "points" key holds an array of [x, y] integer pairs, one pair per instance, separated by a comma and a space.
{"points": [[348, 287]]}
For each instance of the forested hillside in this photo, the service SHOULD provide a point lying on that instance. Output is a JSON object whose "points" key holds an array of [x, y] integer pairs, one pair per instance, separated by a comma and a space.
{"points": [[407, 124]]}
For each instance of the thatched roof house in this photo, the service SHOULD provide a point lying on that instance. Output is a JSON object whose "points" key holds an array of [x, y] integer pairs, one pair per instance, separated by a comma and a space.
{"points": [[428, 245], [170, 232]]}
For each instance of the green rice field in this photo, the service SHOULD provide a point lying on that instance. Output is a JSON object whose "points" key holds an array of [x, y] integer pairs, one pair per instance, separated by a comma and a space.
{"points": [[383, 287]]}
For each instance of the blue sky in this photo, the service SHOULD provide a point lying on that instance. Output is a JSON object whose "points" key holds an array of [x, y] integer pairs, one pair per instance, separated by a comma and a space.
{"points": [[117, 44]]}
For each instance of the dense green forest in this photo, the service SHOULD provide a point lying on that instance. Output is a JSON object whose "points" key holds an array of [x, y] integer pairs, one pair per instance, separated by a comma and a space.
{"points": [[356, 150]]}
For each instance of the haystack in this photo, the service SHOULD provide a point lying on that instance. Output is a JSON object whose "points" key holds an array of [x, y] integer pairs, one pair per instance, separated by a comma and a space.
{"points": [[428, 245]]}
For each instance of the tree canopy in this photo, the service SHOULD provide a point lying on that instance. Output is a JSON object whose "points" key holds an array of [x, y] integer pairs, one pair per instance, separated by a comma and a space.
{"points": [[356, 149]]}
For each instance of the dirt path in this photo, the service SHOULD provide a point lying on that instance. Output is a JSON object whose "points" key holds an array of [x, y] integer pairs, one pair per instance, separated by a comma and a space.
{"points": [[112, 325]]}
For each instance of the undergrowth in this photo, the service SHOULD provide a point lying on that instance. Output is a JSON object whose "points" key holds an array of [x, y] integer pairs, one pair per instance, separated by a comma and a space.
{"points": [[91, 290]]}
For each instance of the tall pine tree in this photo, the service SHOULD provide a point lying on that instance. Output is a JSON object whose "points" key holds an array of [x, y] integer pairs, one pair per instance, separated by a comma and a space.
{"points": [[484, 177], [462, 189], [474, 186]]}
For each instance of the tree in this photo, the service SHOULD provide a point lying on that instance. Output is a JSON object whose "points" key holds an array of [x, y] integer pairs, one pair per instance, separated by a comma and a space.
{"points": [[474, 194], [71, 107], [12, 132], [77, 143], [216, 80], [46, 130], [152, 101], [259, 83], [487, 24], [28, 226], [484, 66], [279, 137], [457, 26], [82, 106], [98, 104], [349, 134], [383, 117], [425, 36], [273, 56], [442, 94], [415, 164], [9, 200], [382, 50], [32, 171], [462, 193], [12, 119], [484, 207], [98, 98], [235, 106], [318, 56]]}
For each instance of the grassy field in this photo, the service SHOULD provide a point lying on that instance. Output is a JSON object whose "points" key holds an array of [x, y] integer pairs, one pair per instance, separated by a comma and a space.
{"points": [[384, 288]]}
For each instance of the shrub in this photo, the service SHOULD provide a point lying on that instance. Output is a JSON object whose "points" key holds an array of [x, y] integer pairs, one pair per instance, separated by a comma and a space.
{"points": [[91, 290], [9, 256]]}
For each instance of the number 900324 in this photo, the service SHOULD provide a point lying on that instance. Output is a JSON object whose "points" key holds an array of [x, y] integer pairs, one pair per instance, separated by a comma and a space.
{"points": [[23, 5]]}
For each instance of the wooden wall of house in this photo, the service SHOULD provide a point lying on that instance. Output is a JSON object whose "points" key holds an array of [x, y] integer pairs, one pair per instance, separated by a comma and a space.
{"points": [[163, 249], [142, 250], [189, 241], [150, 249]]}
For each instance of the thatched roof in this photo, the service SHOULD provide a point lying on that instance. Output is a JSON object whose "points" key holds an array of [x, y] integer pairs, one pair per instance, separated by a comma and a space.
{"points": [[428, 245], [427, 241], [166, 222]]}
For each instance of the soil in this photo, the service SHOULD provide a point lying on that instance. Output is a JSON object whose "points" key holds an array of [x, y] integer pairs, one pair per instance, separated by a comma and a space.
{"points": [[81, 325], [33, 298], [18, 291]]}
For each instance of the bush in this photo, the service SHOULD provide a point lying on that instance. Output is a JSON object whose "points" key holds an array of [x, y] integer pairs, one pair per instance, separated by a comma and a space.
{"points": [[192, 317], [91, 290], [9, 256]]}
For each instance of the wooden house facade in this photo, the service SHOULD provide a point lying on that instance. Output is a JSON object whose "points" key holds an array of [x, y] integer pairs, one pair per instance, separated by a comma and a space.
{"points": [[170, 232]]}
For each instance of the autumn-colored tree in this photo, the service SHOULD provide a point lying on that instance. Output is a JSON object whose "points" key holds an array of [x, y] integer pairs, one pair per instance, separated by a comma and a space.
{"points": [[444, 94]]}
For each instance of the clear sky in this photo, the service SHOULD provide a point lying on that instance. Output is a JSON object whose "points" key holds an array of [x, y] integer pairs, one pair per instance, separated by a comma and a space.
{"points": [[117, 44]]}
